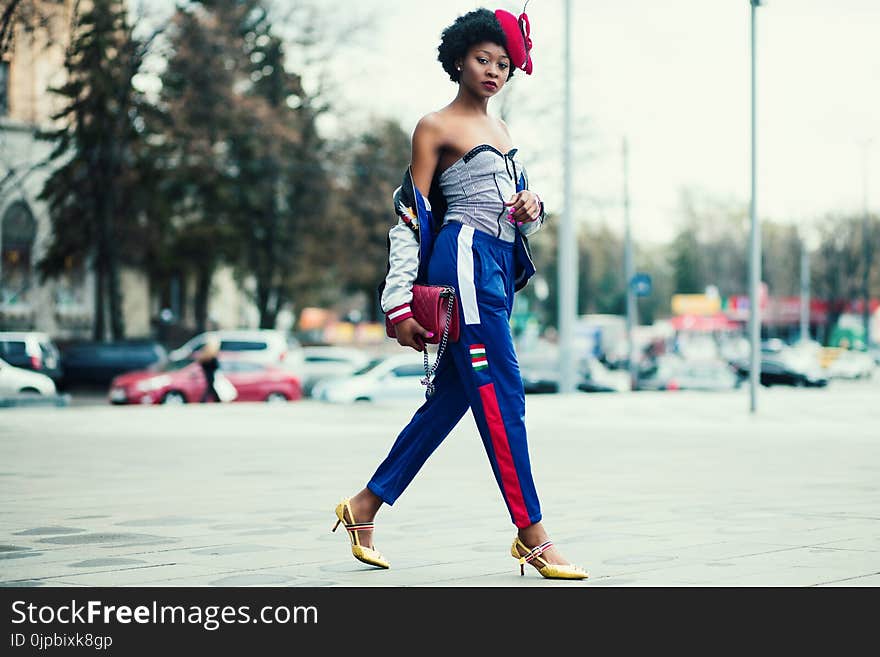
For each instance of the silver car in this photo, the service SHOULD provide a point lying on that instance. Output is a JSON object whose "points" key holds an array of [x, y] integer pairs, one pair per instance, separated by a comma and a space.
{"points": [[383, 379], [326, 362]]}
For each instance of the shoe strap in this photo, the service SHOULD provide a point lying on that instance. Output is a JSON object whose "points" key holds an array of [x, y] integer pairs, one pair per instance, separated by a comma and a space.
{"points": [[536, 552], [359, 526]]}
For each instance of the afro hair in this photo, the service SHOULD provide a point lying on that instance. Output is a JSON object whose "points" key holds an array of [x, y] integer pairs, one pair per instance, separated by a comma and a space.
{"points": [[473, 27]]}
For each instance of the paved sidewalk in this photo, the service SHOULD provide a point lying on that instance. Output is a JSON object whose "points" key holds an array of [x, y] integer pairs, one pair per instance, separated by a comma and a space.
{"points": [[645, 489]]}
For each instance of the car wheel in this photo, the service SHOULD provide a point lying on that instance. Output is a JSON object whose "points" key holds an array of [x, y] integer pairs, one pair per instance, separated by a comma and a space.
{"points": [[276, 398], [174, 397]]}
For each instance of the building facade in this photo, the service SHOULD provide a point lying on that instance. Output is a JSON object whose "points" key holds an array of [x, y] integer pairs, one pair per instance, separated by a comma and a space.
{"points": [[64, 307], [33, 65]]}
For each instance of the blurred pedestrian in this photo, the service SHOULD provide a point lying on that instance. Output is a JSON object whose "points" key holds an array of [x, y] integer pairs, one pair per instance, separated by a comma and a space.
{"points": [[465, 203], [207, 358]]}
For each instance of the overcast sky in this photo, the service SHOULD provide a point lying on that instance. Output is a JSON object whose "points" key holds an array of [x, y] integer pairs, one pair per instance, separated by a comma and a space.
{"points": [[673, 77]]}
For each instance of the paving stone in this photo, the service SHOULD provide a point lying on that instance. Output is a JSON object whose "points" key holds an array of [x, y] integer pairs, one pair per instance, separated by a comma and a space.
{"points": [[679, 489]]}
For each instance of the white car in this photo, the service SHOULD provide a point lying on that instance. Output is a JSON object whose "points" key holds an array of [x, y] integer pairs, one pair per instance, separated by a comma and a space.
{"points": [[596, 372], [19, 381], [266, 346], [383, 379], [852, 365], [326, 362]]}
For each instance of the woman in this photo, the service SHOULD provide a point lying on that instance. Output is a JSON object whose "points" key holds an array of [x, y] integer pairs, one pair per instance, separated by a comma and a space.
{"points": [[207, 358], [463, 159]]}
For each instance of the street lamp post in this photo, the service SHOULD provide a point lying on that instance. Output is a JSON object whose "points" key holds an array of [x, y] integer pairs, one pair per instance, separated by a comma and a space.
{"points": [[629, 273], [755, 245], [805, 291], [567, 237], [866, 249], [810, 241]]}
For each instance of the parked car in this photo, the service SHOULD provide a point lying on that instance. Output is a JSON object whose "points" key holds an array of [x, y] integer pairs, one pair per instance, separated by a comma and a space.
{"points": [[660, 373], [182, 382], [707, 375], [31, 350], [773, 346], [698, 346], [852, 365], [778, 370], [267, 346], [326, 362], [540, 375], [382, 379], [21, 381], [89, 363], [598, 378]]}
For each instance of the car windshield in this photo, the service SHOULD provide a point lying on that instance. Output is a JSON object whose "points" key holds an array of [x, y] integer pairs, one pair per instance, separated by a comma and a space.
{"points": [[369, 366], [174, 365]]}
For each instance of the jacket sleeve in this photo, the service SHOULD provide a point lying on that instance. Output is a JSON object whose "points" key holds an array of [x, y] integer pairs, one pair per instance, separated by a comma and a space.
{"points": [[531, 227], [403, 257], [403, 266]]}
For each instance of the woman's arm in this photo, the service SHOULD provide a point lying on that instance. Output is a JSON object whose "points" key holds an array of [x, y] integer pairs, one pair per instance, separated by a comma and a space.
{"points": [[426, 143], [425, 155], [525, 208]]}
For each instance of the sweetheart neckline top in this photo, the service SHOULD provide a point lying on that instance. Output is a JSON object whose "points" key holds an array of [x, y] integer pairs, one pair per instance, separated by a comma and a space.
{"points": [[476, 150]]}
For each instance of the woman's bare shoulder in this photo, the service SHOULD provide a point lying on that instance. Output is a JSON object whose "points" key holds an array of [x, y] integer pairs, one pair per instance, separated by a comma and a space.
{"points": [[433, 125]]}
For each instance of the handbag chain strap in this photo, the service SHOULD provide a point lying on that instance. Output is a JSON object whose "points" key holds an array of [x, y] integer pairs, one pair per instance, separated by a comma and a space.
{"points": [[444, 339]]}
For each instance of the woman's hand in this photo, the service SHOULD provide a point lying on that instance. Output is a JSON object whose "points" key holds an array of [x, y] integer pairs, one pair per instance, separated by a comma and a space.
{"points": [[523, 207], [412, 334]]}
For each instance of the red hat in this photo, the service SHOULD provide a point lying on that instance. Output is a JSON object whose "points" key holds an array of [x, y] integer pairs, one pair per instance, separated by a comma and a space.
{"points": [[519, 45]]}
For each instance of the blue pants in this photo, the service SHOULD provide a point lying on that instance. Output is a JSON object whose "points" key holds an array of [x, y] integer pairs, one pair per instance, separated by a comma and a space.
{"points": [[479, 372]]}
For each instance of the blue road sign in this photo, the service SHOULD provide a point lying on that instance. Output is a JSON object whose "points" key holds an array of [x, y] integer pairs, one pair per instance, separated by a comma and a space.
{"points": [[641, 285]]}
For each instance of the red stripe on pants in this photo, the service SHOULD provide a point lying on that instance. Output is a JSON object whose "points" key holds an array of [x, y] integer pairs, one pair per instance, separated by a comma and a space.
{"points": [[509, 479]]}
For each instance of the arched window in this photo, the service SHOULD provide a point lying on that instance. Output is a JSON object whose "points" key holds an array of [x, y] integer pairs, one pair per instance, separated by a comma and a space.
{"points": [[17, 233]]}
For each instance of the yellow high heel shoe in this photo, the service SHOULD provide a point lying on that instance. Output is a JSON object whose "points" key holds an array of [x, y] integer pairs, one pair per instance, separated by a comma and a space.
{"points": [[548, 570], [360, 552]]}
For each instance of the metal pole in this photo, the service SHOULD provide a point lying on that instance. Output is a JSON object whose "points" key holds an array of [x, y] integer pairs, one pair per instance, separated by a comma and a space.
{"points": [[629, 272], [755, 246], [805, 292], [866, 250], [567, 237]]}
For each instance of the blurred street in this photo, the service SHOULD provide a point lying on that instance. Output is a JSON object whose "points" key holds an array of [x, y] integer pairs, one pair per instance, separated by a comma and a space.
{"points": [[642, 489]]}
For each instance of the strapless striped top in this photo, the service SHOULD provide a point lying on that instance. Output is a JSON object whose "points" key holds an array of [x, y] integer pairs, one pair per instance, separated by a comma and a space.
{"points": [[477, 185]]}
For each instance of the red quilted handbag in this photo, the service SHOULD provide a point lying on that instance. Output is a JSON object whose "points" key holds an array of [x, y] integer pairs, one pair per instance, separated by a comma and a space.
{"points": [[434, 307]]}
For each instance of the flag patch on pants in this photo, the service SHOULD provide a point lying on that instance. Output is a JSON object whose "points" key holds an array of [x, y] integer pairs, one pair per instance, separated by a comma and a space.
{"points": [[478, 357]]}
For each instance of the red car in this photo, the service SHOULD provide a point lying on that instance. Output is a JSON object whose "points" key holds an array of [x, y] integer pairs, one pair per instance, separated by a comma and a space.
{"points": [[184, 382]]}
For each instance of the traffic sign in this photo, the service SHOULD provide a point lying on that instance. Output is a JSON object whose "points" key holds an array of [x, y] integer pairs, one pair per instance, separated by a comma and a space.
{"points": [[641, 285]]}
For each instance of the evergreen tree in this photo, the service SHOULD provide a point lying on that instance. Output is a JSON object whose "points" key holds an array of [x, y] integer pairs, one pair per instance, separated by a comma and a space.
{"points": [[378, 159], [92, 194], [244, 159], [200, 175], [283, 183]]}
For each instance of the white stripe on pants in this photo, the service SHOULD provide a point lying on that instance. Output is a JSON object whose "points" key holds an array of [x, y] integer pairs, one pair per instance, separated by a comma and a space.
{"points": [[465, 271]]}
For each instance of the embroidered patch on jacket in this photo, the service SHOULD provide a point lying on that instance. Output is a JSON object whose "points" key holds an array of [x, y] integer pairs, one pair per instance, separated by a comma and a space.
{"points": [[408, 215], [478, 357]]}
